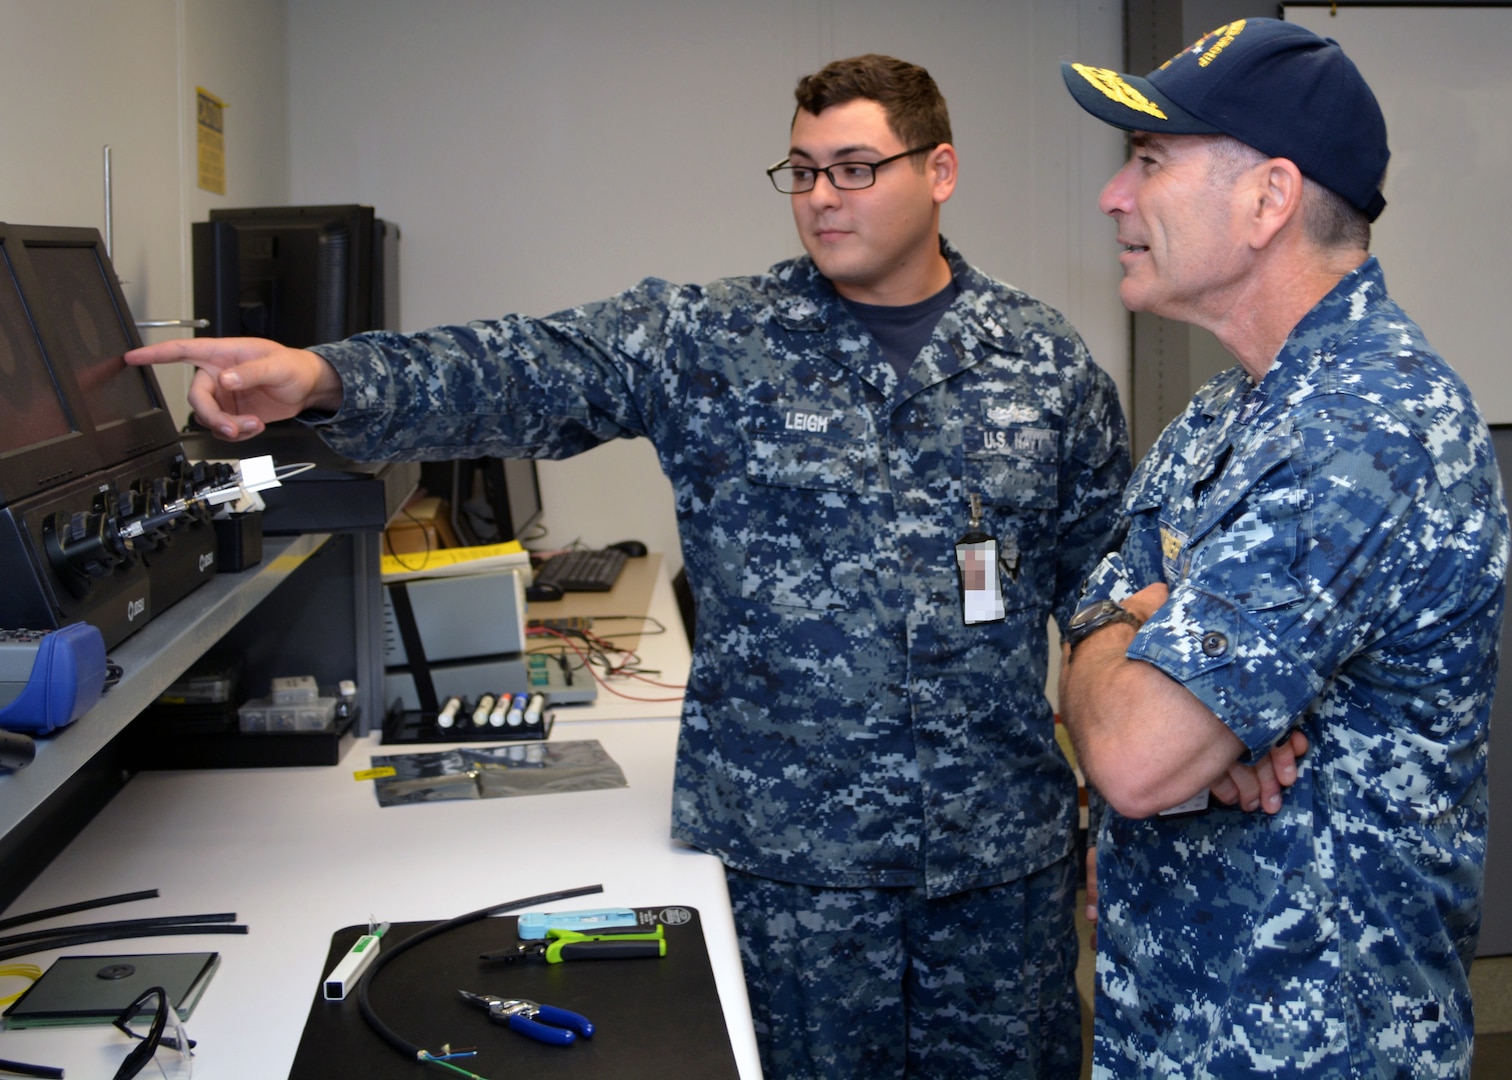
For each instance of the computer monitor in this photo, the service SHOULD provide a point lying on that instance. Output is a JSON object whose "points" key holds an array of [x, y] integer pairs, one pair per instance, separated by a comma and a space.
{"points": [[32, 410], [300, 275], [522, 497], [71, 404], [87, 332], [492, 499]]}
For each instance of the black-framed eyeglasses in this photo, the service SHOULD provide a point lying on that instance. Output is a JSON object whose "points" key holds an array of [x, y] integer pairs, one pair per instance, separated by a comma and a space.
{"points": [[793, 179], [164, 1041]]}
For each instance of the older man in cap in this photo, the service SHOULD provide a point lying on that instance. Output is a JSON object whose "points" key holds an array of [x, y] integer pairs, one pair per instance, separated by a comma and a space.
{"points": [[1317, 545]]}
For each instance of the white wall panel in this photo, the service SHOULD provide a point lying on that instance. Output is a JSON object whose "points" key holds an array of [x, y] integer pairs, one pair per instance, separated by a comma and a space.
{"points": [[82, 74]]}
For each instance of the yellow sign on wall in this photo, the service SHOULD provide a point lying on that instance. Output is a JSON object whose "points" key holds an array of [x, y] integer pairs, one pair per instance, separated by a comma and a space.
{"points": [[211, 122]]}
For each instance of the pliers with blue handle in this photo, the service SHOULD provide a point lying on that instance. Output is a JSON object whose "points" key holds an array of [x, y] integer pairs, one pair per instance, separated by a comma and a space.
{"points": [[543, 1023]]}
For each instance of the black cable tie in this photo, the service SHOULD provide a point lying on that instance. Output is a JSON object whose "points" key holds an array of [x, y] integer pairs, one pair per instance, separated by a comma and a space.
{"points": [[90, 938], [119, 924], [83, 905], [21, 1068]]}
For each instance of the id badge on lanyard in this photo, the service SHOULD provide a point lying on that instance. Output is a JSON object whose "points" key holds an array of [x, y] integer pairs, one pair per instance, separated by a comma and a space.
{"points": [[981, 566]]}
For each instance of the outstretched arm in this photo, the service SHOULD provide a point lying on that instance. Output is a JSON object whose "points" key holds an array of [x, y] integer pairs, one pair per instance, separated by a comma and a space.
{"points": [[244, 384]]}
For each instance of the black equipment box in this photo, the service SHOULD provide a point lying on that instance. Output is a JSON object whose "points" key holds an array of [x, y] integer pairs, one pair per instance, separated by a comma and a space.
{"points": [[91, 470]]}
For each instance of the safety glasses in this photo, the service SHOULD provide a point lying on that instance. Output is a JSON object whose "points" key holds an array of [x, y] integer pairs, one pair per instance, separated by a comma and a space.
{"points": [[162, 1040]]}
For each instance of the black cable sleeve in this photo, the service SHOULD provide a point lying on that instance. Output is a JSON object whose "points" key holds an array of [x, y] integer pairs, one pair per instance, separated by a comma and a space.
{"points": [[20, 1068], [119, 924], [388, 1034], [111, 935], [83, 905]]}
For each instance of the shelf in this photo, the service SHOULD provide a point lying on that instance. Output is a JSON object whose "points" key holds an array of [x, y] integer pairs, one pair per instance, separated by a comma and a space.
{"points": [[152, 659]]}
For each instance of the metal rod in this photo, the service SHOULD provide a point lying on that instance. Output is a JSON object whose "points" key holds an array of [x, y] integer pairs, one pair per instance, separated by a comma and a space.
{"points": [[108, 228]]}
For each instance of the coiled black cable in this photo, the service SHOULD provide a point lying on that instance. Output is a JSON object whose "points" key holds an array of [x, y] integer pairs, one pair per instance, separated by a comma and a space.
{"points": [[388, 1034]]}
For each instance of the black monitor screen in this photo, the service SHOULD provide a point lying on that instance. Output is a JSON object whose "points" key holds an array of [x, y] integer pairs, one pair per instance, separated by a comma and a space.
{"points": [[92, 336], [492, 499], [293, 283], [31, 409], [301, 275]]}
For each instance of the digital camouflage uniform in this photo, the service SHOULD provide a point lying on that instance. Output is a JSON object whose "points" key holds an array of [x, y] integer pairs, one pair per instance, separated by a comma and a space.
{"points": [[841, 726], [1335, 542]]}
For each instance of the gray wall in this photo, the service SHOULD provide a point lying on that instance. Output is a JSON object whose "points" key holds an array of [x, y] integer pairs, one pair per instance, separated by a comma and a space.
{"points": [[537, 156], [82, 74], [1445, 239]]}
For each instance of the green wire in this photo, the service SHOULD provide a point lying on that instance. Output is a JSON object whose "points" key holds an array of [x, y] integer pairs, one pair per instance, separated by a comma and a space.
{"points": [[425, 1055]]}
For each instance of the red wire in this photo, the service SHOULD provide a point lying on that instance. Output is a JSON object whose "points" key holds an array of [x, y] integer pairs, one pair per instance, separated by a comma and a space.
{"points": [[603, 646]]}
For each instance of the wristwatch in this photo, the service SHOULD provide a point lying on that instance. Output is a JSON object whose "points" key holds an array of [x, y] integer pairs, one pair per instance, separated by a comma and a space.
{"points": [[1090, 618]]}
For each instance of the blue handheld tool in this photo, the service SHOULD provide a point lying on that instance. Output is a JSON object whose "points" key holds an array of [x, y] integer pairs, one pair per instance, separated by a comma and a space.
{"points": [[534, 924], [49, 678], [543, 1023]]}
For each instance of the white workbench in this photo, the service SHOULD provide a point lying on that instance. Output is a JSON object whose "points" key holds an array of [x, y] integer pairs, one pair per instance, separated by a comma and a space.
{"points": [[298, 853]]}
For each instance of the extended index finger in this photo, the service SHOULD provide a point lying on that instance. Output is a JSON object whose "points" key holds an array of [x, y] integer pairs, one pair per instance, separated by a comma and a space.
{"points": [[214, 406], [212, 353]]}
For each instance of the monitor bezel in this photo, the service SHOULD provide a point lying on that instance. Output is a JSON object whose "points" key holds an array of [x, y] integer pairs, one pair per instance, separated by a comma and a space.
{"points": [[117, 439], [49, 463]]}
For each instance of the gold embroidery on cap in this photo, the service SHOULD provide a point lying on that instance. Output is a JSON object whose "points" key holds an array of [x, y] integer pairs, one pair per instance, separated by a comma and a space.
{"points": [[1112, 86], [1229, 32]]}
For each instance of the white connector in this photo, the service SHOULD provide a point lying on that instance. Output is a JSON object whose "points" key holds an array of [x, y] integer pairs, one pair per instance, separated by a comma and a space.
{"points": [[344, 975]]}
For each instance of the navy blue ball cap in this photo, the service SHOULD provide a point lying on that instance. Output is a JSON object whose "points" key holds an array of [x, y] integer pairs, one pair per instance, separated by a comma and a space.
{"points": [[1272, 85]]}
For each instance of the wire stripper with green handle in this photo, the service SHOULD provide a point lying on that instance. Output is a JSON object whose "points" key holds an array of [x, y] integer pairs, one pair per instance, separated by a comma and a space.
{"points": [[563, 945]]}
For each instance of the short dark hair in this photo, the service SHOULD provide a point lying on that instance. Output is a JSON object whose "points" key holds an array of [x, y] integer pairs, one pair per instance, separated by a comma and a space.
{"points": [[914, 106]]}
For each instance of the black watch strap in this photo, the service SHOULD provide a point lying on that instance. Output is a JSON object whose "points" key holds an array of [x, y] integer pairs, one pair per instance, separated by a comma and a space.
{"points": [[1092, 617]]}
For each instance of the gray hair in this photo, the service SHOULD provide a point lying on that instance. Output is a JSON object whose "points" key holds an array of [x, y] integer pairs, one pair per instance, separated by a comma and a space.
{"points": [[1328, 219]]}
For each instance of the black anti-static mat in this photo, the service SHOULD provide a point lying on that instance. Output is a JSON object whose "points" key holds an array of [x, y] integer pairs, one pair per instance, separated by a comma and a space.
{"points": [[655, 1017]]}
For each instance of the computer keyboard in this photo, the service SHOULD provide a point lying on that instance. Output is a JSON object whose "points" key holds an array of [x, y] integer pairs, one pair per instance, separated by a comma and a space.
{"points": [[582, 571]]}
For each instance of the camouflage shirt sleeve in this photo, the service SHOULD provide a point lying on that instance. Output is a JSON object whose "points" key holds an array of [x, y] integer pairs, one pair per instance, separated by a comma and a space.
{"points": [[519, 386]]}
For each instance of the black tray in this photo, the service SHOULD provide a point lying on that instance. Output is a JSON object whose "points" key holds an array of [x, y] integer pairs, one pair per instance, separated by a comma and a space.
{"points": [[655, 1018], [150, 747]]}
